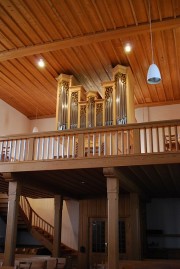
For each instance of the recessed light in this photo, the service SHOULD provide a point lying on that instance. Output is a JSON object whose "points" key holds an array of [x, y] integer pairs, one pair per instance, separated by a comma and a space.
{"points": [[41, 63], [127, 47]]}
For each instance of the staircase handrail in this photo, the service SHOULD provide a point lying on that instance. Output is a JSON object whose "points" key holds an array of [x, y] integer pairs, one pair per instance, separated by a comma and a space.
{"points": [[33, 219]]}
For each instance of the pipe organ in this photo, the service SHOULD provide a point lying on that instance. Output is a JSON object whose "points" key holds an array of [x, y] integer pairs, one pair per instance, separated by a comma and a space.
{"points": [[77, 108]]}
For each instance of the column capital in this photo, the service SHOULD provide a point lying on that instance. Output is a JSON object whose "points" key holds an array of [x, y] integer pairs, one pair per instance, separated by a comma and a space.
{"points": [[7, 176], [109, 172]]}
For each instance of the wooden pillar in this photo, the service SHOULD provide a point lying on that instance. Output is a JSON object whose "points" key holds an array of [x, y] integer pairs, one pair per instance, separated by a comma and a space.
{"points": [[113, 218], [135, 227], [11, 228], [58, 205]]}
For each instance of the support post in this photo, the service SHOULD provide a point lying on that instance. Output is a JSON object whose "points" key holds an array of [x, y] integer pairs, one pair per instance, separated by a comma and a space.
{"points": [[58, 205], [113, 218], [11, 228], [135, 227], [81, 145]]}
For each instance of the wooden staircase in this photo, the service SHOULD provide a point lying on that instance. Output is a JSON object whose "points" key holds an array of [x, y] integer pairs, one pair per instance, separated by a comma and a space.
{"points": [[28, 219], [3, 212]]}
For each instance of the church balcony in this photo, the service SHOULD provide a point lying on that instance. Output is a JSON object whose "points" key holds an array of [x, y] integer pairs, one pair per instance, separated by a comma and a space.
{"points": [[108, 146]]}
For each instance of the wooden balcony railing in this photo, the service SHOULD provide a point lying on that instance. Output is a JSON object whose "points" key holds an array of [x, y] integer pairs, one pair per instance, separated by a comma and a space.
{"points": [[143, 138]]}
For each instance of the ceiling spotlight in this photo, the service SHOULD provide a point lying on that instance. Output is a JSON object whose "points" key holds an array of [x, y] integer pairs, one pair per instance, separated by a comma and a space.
{"points": [[41, 63], [128, 48]]}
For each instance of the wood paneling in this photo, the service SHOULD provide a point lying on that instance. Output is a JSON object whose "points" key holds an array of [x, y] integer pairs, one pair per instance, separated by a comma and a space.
{"points": [[96, 208], [86, 39]]}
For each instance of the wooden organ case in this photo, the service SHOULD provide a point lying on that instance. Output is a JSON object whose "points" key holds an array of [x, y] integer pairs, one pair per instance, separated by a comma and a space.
{"points": [[77, 108]]}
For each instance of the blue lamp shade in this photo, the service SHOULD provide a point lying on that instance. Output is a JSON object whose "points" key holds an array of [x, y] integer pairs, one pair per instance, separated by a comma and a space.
{"points": [[153, 75]]}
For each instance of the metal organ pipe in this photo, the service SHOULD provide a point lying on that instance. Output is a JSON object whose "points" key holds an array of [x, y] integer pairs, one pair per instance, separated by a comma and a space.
{"points": [[121, 107]]}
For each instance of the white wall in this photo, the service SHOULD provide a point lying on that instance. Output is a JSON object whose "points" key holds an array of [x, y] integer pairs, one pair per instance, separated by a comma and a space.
{"points": [[70, 218], [43, 125], [157, 113], [70, 223], [12, 121]]}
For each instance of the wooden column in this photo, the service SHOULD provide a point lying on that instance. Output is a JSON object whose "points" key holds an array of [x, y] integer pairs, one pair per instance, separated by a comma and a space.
{"points": [[113, 218], [135, 227], [11, 228], [58, 205]]}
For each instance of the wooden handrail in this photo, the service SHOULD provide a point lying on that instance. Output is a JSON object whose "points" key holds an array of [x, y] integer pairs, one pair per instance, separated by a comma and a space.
{"points": [[137, 138], [33, 219], [152, 124]]}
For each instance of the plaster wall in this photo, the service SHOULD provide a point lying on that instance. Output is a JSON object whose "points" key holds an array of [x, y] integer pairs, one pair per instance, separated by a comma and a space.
{"points": [[157, 113], [70, 218], [12, 121]]}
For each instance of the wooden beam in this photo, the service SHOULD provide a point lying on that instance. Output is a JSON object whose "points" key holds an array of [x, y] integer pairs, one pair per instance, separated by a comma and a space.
{"points": [[125, 182], [81, 163], [88, 39]]}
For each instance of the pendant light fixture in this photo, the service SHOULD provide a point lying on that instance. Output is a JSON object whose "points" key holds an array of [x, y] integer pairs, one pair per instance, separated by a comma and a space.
{"points": [[153, 75]]}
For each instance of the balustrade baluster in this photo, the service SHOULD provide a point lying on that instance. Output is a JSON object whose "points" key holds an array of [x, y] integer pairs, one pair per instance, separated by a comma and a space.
{"points": [[145, 139], [24, 150], [128, 141], [176, 137], [68, 146], [73, 146], [15, 143], [42, 148], [110, 143], [116, 143], [122, 141], [19, 149], [169, 134], [163, 138], [105, 144], [157, 137], [88, 150], [94, 144], [57, 147], [52, 147], [63, 142], [47, 147], [99, 144]]}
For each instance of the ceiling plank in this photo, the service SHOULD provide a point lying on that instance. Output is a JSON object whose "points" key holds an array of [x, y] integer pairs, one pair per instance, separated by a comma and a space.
{"points": [[87, 39]]}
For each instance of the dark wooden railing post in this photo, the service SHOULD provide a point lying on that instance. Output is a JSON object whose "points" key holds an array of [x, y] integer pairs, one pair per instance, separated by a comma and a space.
{"points": [[136, 142], [81, 145], [30, 153]]}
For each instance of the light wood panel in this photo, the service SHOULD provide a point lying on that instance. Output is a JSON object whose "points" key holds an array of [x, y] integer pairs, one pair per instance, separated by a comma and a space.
{"points": [[85, 39]]}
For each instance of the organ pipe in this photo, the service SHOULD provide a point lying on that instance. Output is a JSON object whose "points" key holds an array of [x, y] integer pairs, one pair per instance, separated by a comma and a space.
{"points": [[121, 107], [77, 108]]}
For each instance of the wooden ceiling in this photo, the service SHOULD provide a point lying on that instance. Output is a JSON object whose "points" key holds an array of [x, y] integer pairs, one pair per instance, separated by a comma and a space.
{"points": [[85, 38], [149, 181]]}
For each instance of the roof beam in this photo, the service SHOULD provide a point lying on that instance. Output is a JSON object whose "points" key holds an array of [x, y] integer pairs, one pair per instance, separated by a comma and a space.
{"points": [[88, 39]]}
